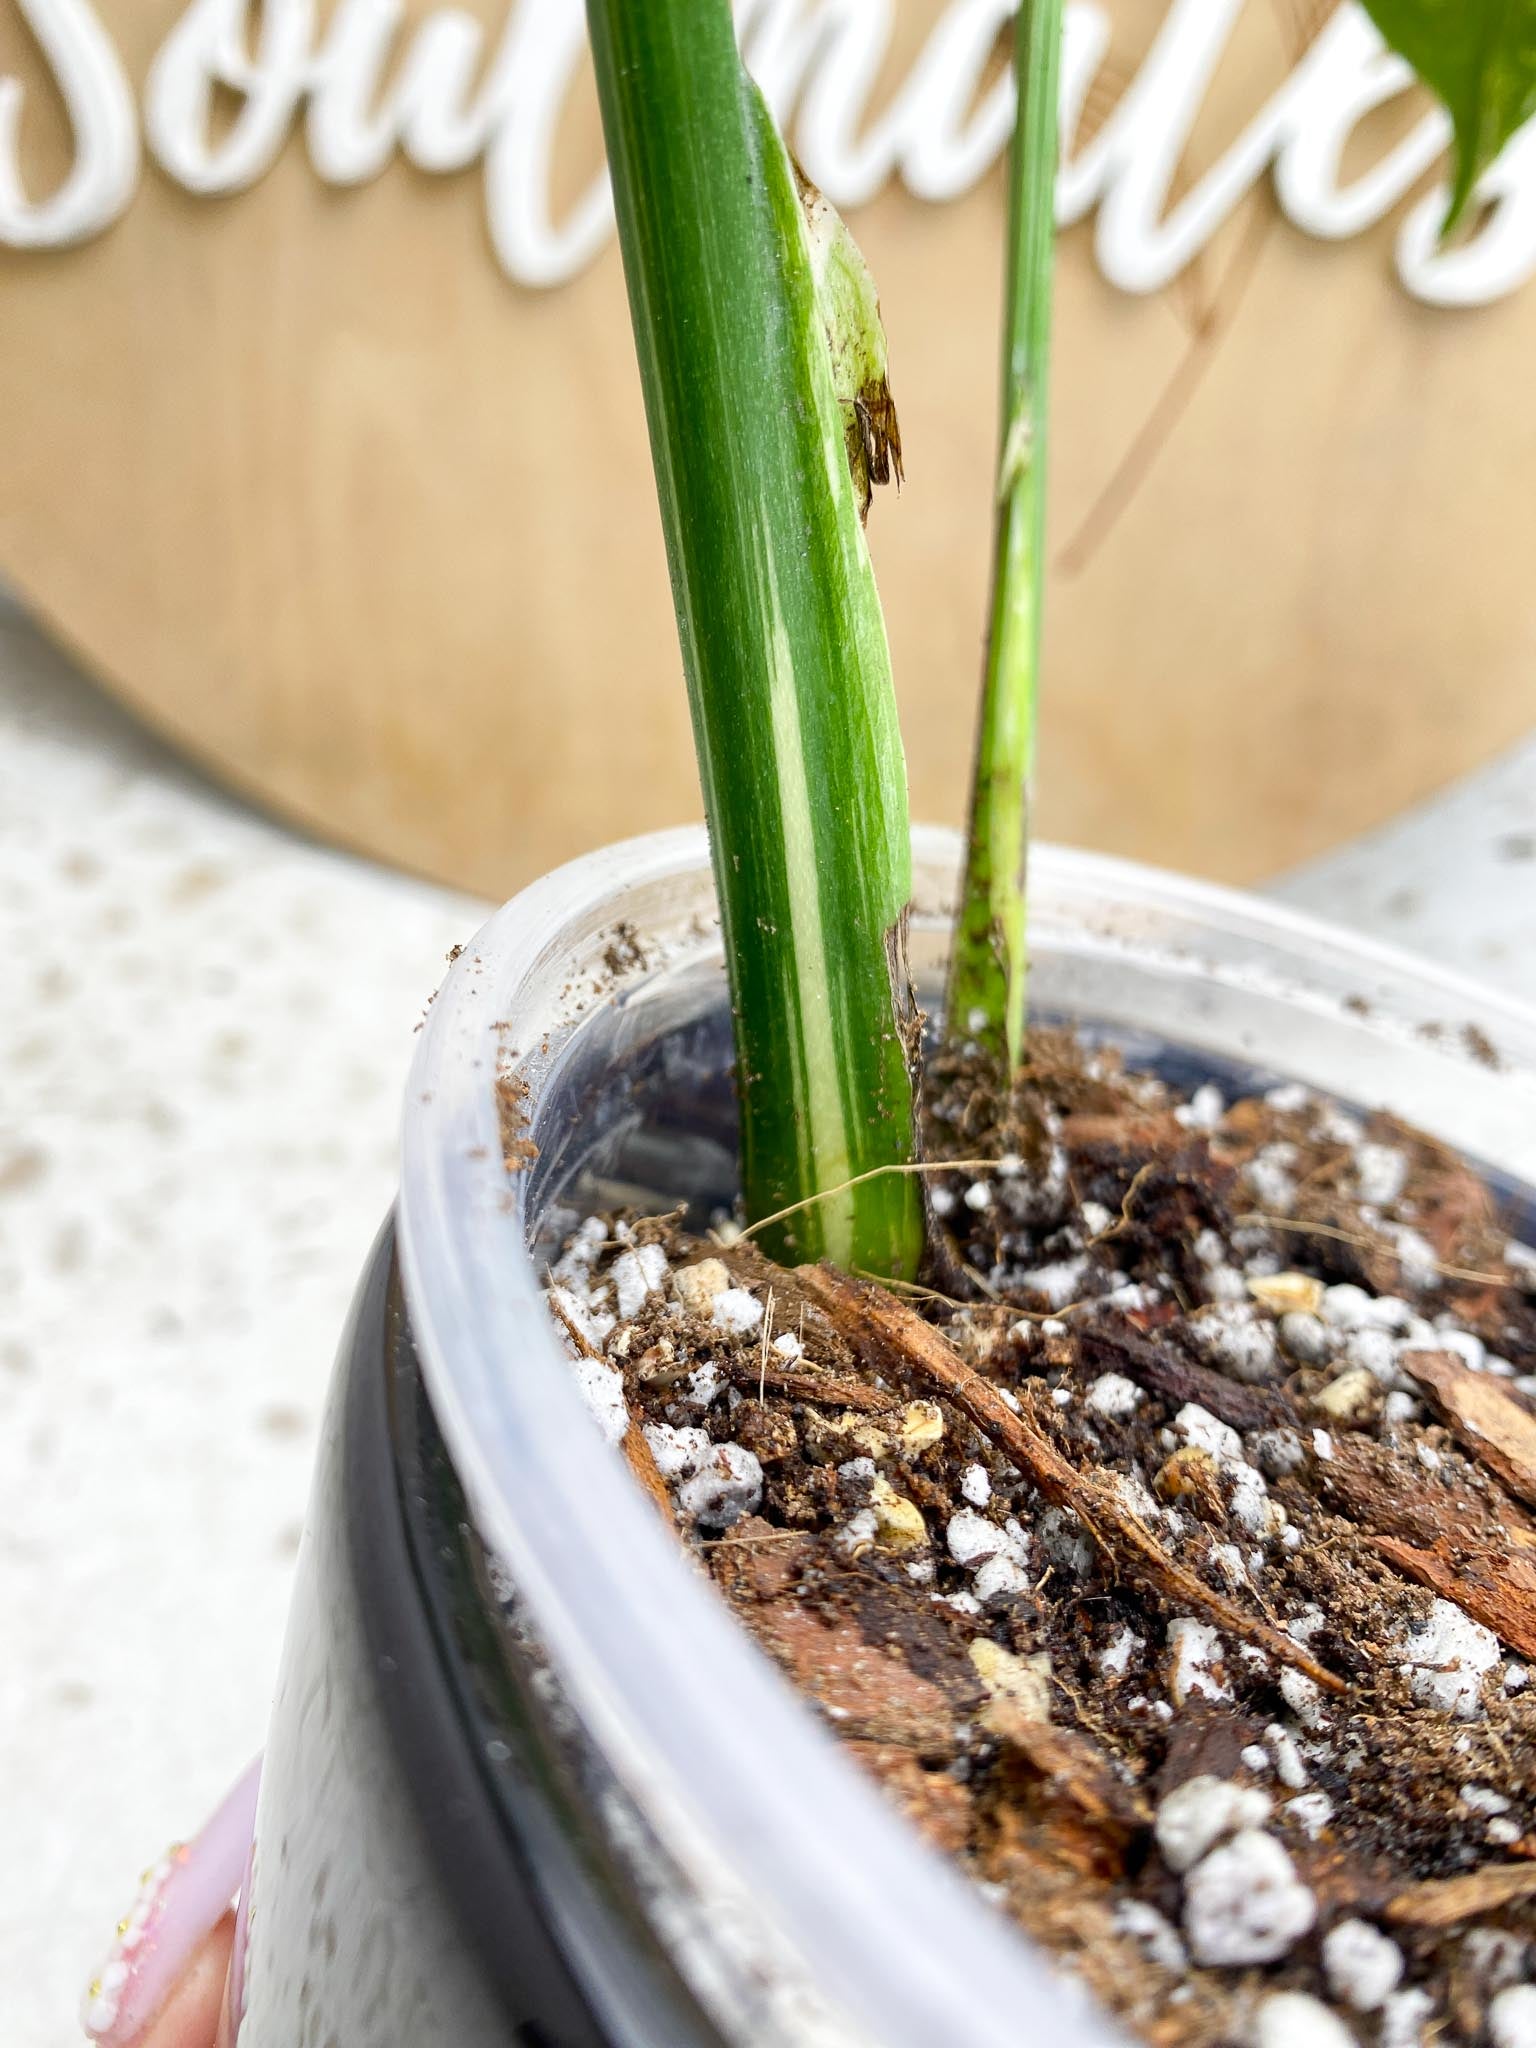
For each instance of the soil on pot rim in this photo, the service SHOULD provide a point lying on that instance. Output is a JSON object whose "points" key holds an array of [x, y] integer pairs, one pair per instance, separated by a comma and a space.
{"points": [[1169, 1558]]}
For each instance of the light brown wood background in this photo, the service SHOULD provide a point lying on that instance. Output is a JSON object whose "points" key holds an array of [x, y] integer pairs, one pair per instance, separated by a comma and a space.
{"points": [[371, 530]]}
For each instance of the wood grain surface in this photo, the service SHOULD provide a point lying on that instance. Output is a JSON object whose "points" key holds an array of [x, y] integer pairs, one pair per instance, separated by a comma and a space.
{"points": [[371, 530]]}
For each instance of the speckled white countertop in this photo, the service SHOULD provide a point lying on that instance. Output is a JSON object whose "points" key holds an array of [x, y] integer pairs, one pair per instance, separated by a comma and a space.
{"points": [[203, 1038], [204, 1029]]}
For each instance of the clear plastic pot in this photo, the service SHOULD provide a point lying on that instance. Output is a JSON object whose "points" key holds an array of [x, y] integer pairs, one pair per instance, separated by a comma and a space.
{"points": [[782, 1902]]}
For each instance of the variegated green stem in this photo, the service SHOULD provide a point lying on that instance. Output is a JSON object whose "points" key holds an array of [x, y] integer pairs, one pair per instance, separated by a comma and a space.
{"points": [[989, 966], [755, 410]]}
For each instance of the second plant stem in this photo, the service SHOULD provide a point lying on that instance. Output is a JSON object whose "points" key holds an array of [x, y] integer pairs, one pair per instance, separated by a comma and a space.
{"points": [[989, 968]]}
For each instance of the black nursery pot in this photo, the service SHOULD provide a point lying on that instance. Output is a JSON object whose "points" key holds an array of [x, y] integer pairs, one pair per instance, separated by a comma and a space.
{"points": [[527, 1780]]}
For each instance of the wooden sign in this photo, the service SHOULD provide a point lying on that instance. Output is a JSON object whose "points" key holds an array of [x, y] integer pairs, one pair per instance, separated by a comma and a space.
{"points": [[322, 440]]}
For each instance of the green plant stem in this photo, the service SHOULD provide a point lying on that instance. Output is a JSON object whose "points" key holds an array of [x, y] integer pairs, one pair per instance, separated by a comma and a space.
{"points": [[989, 965], [782, 637]]}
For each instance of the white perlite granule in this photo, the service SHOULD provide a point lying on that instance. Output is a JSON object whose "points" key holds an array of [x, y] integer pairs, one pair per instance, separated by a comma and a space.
{"points": [[1311, 1813], [1135, 1493], [1347, 1307], [573, 1268], [1483, 1799], [1472, 1351], [1288, 1096], [971, 1537], [1381, 1174], [1292, 2019], [1194, 1648], [1512, 2017], [1198, 1426], [1404, 2018], [1000, 1578], [678, 1452], [1268, 1174], [701, 1386], [975, 1485], [1339, 1126], [1200, 1813], [1447, 1656], [1231, 1337], [1373, 1351], [1204, 1109], [1113, 1396], [1210, 1248], [1115, 1661], [999, 1558], [1225, 1283], [736, 1312], [860, 1533], [635, 1275], [1228, 1559], [593, 1328], [1133, 1296], [1279, 1452], [1057, 1284], [602, 1389], [1040, 1197], [1061, 1538], [1415, 1256], [1304, 1697], [1495, 1957], [1157, 1935], [1245, 1904], [1305, 1336], [1252, 1509], [1363, 1965], [726, 1486]]}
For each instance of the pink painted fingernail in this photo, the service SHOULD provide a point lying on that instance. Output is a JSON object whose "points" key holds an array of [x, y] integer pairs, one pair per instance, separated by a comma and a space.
{"points": [[181, 1900], [234, 1988]]}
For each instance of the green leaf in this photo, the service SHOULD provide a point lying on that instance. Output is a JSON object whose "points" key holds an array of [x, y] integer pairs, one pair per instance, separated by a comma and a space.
{"points": [[752, 376], [1479, 56]]}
